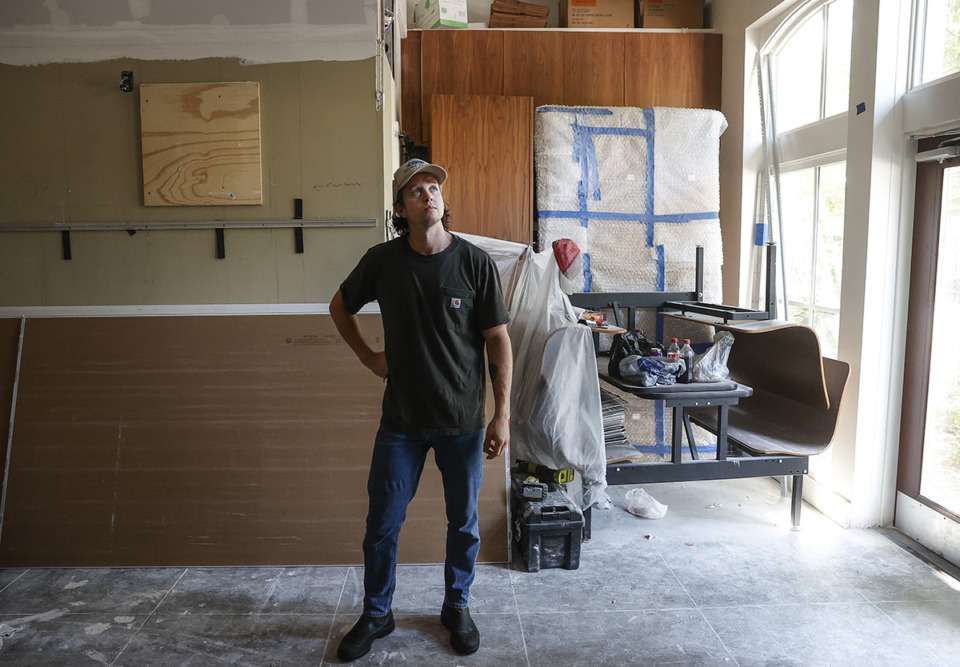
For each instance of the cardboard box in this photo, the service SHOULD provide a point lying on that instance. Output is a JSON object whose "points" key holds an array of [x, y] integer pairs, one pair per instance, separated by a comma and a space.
{"points": [[669, 13], [596, 13], [437, 14]]}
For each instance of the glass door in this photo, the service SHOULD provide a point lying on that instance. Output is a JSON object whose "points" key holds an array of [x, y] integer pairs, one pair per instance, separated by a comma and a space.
{"points": [[940, 460], [928, 480]]}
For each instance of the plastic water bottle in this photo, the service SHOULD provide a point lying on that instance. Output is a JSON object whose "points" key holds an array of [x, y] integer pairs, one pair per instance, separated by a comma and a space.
{"points": [[687, 353], [674, 350]]}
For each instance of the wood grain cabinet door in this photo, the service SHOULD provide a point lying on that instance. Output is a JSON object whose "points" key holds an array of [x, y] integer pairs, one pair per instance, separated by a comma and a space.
{"points": [[485, 142]]}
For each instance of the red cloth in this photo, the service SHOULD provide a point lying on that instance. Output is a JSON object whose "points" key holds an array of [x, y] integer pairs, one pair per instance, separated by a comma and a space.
{"points": [[566, 252]]}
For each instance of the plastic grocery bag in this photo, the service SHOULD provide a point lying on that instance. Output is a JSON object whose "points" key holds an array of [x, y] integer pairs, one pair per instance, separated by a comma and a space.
{"points": [[629, 343], [648, 371], [642, 504], [711, 366]]}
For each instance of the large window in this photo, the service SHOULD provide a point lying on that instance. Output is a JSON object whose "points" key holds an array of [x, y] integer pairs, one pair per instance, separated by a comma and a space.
{"points": [[812, 67], [813, 237], [938, 46], [805, 70]]}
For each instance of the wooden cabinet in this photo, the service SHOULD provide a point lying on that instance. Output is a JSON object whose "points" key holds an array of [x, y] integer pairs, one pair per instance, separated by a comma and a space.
{"points": [[470, 95], [558, 67]]}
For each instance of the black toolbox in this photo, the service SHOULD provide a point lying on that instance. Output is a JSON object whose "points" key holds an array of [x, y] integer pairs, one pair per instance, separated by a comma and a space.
{"points": [[549, 530]]}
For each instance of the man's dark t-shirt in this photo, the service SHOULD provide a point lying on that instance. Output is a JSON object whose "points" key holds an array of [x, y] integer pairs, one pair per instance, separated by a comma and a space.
{"points": [[434, 308]]}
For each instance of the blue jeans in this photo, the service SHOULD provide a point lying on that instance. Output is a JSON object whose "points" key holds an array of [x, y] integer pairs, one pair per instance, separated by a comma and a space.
{"points": [[398, 460]]}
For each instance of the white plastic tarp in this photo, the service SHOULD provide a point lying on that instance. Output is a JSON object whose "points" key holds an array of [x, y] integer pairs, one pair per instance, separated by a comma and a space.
{"points": [[555, 415]]}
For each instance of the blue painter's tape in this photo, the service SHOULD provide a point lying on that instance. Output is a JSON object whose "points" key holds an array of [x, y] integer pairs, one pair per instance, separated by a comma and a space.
{"points": [[587, 111], [761, 233], [587, 275], [661, 446], [622, 131], [636, 217], [648, 116], [661, 276]]}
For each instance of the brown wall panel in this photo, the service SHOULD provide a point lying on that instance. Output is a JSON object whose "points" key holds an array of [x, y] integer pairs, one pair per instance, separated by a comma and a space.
{"points": [[205, 441], [460, 62], [672, 70], [410, 81], [593, 69], [532, 66], [486, 144]]}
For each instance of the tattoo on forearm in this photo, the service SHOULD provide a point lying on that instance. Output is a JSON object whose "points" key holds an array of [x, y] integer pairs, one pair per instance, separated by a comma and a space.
{"points": [[493, 372]]}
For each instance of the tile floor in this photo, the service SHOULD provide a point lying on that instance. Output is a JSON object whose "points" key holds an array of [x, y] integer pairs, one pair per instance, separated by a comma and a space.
{"points": [[721, 580]]}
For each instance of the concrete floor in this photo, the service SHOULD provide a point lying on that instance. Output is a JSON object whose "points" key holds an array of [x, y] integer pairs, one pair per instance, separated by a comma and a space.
{"points": [[721, 580]]}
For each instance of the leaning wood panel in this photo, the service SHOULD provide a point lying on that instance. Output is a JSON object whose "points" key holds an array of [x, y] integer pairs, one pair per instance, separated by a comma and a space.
{"points": [[410, 82], [532, 65], [672, 70], [205, 441], [460, 62], [486, 144], [593, 69], [9, 343], [201, 144]]}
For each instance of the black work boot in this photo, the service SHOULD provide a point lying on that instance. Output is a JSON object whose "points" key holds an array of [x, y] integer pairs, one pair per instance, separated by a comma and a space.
{"points": [[358, 641], [464, 636]]}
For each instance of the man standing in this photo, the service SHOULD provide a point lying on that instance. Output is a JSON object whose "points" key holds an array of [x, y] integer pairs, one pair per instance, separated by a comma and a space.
{"points": [[441, 305]]}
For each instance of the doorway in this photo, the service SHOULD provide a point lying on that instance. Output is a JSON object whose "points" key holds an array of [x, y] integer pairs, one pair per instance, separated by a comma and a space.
{"points": [[928, 479]]}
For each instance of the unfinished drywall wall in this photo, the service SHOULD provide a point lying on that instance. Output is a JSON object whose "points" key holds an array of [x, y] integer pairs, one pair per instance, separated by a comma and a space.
{"points": [[71, 154]]}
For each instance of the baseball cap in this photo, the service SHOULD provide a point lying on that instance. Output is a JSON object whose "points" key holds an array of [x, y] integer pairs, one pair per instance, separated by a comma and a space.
{"points": [[403, 175]]}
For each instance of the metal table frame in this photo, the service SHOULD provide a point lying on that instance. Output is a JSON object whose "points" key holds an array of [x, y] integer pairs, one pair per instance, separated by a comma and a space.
{"points": [[733, 460]]}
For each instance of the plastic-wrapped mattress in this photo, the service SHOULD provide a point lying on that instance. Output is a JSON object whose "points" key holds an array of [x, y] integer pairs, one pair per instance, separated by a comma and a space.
{"points": [[638, 189]]}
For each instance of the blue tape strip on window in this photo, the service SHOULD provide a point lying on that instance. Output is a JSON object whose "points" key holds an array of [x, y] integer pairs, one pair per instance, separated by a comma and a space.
{"points": [[587, 275], [761, 233]]}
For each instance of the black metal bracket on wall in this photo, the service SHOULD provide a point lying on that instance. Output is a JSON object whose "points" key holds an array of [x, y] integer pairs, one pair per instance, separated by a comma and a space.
{"points": [[221, 243], [298, 231], [65, 242]]}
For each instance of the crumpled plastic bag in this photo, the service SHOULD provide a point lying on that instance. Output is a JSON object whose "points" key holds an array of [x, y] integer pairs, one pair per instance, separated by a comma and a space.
{"points": [[711, 366], [648, 371], [642, 504]]}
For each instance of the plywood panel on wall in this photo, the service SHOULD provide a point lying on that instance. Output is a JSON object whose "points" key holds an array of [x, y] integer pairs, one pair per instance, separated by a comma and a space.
{"points": [[201, 144], [205, 441], [486, 144]]}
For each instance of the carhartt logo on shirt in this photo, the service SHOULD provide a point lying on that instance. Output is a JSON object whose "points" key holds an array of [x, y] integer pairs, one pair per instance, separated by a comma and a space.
{"points": [[454, 302]]}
